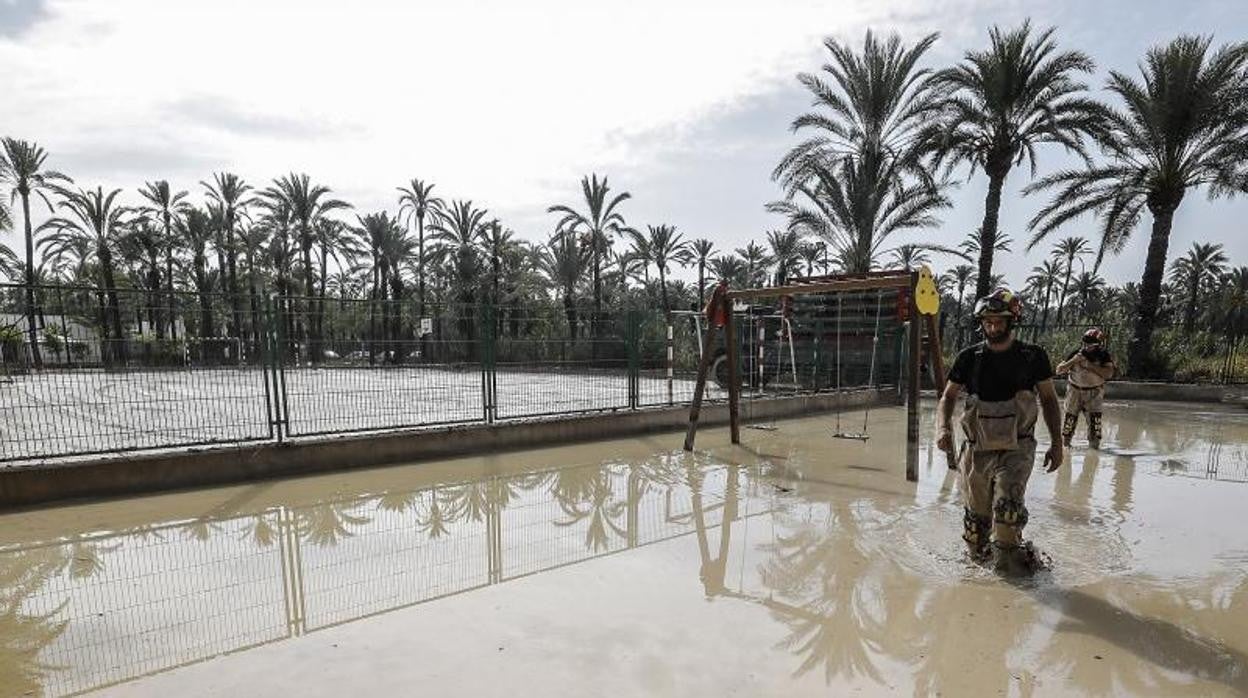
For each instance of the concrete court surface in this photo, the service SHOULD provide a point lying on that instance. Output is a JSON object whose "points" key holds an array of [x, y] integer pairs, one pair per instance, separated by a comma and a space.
{"points": [[795, 564]]}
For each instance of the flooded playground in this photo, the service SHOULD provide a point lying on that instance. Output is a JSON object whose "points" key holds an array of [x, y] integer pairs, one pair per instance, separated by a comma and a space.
{"points": [[794, 564]]}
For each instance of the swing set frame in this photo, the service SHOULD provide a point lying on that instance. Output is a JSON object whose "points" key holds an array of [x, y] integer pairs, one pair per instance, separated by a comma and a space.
{"points": [[719, 310]]}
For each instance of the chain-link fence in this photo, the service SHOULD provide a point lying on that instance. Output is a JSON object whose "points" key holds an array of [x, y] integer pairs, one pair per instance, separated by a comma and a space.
{"points": [[130, 369]]}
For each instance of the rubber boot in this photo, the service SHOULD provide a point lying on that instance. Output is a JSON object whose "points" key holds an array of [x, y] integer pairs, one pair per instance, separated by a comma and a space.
{"points": [[1015, 560], [1094, 429]]}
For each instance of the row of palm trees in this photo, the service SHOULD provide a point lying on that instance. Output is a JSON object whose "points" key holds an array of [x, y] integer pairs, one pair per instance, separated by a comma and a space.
{"points": [[881, 142]]}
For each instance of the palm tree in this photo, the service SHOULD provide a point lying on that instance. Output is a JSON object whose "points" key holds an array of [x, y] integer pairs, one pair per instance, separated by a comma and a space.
{"points": [[144, 244], [858, 205], [563, 262], [786, 253], [701, 252], [96, 221], [662, 245], [962, 275], [1185, 126], [1087, 287], [1068, 251], [458, 230], [1003, 102], [496, 242], [732, 269], [374, 231], [1043, 277], [416, 202], [1196, 273], [167, 205], [10, 265], [335, 241], [22, 172], [756, 261], [230, 193], [811, 252], [860, 175], [869, 106], [597, 225], [307, 203], [910, 256], [970, 246], [194, 229]]}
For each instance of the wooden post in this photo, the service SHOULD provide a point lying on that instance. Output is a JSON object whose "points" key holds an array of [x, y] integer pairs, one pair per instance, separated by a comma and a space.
{"points": [[734, 378], [935, 350], [912, 387], [704, 367]]}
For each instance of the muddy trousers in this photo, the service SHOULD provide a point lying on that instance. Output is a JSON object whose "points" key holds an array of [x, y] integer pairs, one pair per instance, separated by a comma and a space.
{"points": [[994, 484], [1078, 400]]}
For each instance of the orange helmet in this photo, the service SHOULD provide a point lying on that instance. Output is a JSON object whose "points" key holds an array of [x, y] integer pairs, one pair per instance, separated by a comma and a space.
{"points": [[1093, 336]]}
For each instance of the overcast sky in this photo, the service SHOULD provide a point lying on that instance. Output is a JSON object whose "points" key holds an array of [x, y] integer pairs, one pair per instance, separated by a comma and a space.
{"points": [[683, 103]]}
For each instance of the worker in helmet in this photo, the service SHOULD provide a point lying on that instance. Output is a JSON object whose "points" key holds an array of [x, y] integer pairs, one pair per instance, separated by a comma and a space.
{"points": [[1001, 378], [1086, 370]]}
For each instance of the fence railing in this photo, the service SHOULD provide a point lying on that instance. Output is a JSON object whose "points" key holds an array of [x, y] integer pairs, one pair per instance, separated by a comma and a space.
{"points": [[127, 370]]}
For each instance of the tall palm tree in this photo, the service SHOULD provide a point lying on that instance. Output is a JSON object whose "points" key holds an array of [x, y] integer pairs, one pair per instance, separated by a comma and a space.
{"points": [[1004, 102], [599, 222], [962, 275], [910, 256], [1068, 251], [195, 234], [662, 246], [374, 232], [144, 244], [458, 230], [786, 253], [495, 242], [859, 178], [969, 247], [1196, 274], [95, 219], [1044, 276], [1184, 126], [563, 262], [232, 196], [334, 241], [701, 252], [1087, 287], [307, 203], [418, 202], [23, 174], [167, 205]]}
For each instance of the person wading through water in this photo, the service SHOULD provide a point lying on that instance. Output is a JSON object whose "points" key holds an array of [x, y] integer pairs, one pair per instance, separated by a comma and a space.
{"points": [[1001, 378], [1087, 369]]}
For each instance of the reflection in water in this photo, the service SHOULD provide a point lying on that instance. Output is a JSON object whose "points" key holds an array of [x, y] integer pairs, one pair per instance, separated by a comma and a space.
{"points": [[854, 601]]}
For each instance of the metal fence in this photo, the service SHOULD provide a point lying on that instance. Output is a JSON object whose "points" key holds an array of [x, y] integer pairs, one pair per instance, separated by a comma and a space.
{"points": [[132, 369]]}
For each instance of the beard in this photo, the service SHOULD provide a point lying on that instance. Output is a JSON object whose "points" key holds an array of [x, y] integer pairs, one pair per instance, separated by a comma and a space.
{"points": [[998, 336]]}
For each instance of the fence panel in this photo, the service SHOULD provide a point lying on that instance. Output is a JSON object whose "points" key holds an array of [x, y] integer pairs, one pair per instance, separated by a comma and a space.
{"points": [[352, 365], [127, 370]]}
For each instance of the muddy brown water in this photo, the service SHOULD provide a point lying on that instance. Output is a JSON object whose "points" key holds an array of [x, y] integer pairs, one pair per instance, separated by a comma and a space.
{"points": [[794, 564]]}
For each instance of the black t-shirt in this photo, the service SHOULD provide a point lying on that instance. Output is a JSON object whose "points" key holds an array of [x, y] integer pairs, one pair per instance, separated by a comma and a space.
{"points": [[1097, 355], [1001, 374]]}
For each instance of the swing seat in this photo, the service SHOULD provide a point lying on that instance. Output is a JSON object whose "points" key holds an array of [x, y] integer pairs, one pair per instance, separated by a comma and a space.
{"points": [[856, 436], [763, 427]]}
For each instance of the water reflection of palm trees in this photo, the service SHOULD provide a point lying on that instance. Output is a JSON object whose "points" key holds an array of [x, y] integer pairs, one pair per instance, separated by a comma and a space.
{"points": [[327, 523], [588, 495]]}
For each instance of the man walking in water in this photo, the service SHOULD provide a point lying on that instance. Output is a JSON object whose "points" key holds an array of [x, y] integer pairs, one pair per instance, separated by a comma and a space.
{"points": [[1001, 377], [1086, 370]]}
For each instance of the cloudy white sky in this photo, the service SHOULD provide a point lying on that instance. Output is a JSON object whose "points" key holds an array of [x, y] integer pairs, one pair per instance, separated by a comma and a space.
{"points": [[684, 103]]}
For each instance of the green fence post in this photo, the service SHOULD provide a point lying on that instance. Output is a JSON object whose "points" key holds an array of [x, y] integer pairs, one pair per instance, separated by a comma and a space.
{"points": [[632, 338], [489, 371]]}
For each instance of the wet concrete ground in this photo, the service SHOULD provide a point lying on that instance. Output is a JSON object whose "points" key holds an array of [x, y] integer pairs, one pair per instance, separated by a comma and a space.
{"points": [[795, 564]]}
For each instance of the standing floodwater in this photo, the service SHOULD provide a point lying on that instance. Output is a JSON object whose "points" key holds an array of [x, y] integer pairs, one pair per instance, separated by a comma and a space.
{"points": [[796, 564]]}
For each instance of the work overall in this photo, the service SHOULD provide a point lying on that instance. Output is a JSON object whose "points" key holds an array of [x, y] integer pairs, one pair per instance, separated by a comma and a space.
{"points": [[998, 453], [1085, 392]]}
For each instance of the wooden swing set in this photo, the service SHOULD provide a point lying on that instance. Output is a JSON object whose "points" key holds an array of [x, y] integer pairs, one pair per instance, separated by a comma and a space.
{"points": [[922, 300]]}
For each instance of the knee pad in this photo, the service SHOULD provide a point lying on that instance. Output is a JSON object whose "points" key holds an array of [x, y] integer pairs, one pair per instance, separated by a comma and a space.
{"points": [[1010, 512], [975, 530], [1069, 423], [1094, 425]]}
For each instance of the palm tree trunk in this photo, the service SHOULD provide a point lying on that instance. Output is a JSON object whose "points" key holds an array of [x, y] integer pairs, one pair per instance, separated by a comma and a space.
{"points": [[988, 231], [114, 307], [1150, 292], [667, 308], [31, 325], [701, 283], [309, 289], [420, 263], [1189, 313], [236, 307]]}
